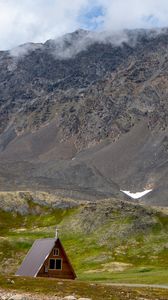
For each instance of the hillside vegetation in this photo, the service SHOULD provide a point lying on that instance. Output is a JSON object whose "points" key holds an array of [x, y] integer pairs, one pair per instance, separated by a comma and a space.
{"points": [[105, 240]]}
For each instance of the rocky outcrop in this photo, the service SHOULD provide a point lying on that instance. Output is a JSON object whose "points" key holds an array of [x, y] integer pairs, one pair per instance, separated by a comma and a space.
{"points": [[86, 115]]}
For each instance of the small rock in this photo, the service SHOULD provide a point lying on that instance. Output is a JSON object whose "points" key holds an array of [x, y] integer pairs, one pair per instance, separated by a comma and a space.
{"points": [[4, 298], [10, 281], [17, 297], [84, 299], [69, 298]]}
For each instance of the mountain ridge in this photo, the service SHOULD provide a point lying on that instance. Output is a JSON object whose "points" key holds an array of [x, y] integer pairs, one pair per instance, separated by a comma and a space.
{"points": [[55, 111]]}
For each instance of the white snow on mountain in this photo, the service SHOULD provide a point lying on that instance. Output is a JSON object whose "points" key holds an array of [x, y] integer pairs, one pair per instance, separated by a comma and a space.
{"points": [[136, 195]]}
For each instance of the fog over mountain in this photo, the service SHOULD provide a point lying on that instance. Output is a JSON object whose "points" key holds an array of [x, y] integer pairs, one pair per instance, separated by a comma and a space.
{"points": [[86, 114], [40, 20], [70, 44]]}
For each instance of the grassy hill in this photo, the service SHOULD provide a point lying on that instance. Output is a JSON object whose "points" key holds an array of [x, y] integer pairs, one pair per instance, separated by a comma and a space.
{"points": [[105, 240]]}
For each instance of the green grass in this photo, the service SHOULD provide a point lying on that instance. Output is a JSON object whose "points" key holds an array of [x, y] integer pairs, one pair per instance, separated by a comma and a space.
{"points": [[133, 276], [93, 242]]}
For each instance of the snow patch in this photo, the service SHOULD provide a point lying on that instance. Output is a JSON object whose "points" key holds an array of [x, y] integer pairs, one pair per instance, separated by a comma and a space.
{"points": [[136, 195]]}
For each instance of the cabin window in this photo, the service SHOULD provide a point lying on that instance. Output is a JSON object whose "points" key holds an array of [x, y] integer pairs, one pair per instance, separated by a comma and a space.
{"points": [[58, 264], [56, 252], [52, 264], [55, 264]]}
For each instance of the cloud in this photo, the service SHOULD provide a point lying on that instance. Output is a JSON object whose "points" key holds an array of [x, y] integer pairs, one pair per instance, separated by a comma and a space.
{"points": [[69, 45], [135, 14], [24, 21]]}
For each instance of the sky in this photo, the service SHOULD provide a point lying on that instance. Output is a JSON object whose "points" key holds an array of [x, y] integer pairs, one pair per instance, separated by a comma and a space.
{"points": [[23, 21]]}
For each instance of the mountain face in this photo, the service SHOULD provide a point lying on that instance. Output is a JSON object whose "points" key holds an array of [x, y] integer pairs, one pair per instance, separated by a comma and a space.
{"points": [[86, 115]]}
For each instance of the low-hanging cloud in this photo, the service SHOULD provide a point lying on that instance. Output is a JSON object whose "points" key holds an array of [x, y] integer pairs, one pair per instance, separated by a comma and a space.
{"points": [[24, 21], [39, 20], [69, 45]]}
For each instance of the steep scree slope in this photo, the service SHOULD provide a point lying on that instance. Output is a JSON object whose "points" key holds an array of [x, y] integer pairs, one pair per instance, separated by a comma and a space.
{"points": [[91, 121]]}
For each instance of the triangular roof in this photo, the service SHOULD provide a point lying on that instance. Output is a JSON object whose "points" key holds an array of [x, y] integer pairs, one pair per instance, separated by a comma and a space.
{"points": [[37, 255]]}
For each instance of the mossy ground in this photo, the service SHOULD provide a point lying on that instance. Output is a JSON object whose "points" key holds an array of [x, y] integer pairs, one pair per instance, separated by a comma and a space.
{"points": [[47, 288], [93, 245]]}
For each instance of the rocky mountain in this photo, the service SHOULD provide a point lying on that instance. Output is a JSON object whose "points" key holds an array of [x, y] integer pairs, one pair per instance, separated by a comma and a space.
{"points": [[86, 115]]}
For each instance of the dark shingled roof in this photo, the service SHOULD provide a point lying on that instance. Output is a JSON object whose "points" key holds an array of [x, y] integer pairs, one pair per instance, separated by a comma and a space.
{"points": [[36, 257]]}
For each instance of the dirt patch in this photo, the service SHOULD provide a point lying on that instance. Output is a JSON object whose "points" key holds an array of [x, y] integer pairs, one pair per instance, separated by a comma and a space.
{"points": [[111, 267]]}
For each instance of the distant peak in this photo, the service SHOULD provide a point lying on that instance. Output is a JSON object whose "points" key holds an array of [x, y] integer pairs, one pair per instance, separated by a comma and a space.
{"points": [[80, 31]]}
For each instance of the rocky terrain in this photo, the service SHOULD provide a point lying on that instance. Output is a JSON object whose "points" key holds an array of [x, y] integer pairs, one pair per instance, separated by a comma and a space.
{"points": [[86, 115], [4, 295], [103, 291]]}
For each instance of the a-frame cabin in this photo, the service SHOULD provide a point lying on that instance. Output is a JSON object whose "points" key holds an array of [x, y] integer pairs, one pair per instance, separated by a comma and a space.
{"points": [[47, 258]]}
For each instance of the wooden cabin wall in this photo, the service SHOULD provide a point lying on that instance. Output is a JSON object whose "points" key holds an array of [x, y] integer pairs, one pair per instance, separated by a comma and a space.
{"points": [[65, 273]]}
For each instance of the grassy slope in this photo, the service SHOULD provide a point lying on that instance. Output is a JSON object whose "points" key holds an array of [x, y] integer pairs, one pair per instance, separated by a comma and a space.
{"points": [[106, 241], [47, 288]]}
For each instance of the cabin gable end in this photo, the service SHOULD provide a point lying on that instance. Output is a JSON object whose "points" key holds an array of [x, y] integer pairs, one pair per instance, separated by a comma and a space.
{"points": [[57, 264]]}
